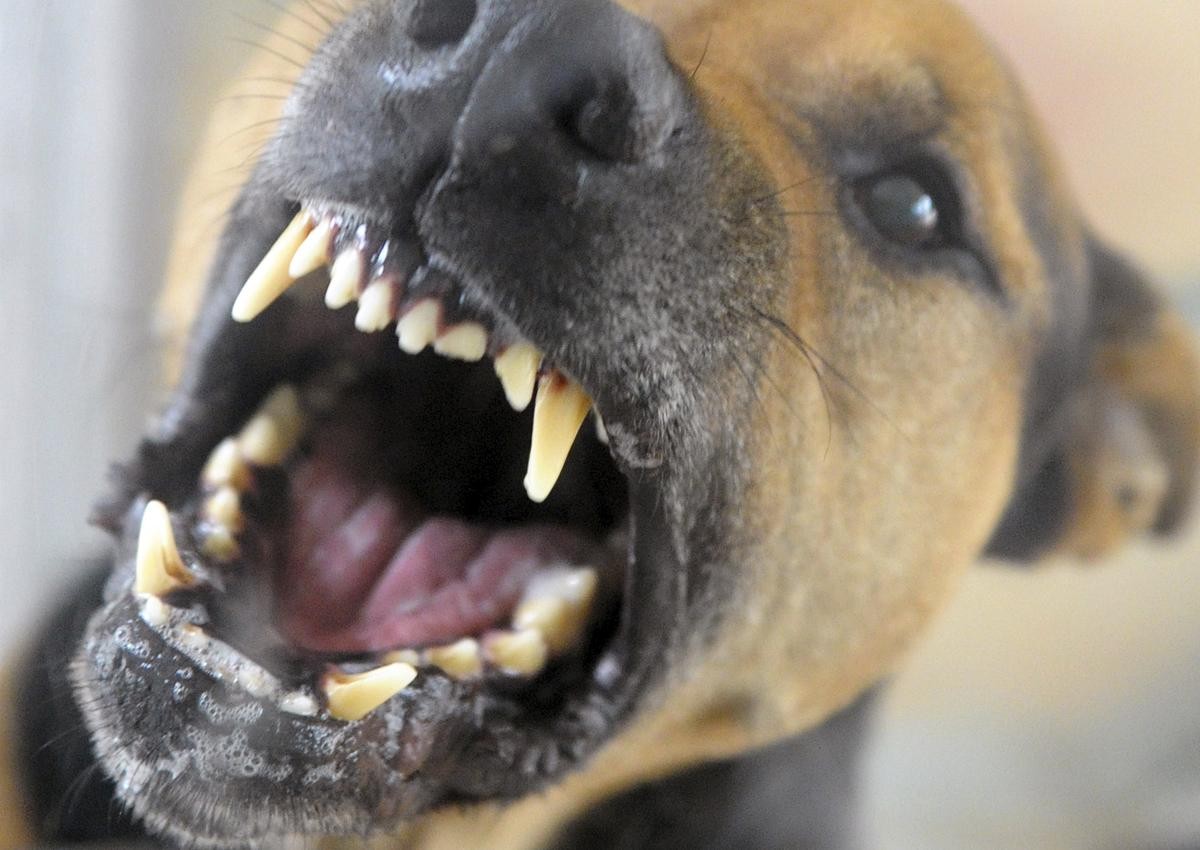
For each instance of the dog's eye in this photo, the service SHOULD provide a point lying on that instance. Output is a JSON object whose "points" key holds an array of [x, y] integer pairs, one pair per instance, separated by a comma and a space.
{"points": [[905, 209]]}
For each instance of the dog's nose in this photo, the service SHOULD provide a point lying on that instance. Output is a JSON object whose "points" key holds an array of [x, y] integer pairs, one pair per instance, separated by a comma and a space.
{"points": [[574, 82], [437, 23]]}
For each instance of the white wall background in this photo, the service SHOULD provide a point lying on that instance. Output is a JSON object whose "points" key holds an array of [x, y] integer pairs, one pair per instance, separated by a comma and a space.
{"points": [[1050, 712]]}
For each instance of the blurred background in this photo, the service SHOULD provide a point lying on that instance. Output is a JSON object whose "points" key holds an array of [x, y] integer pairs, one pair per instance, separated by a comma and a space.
{"points": [[1053, 710]]}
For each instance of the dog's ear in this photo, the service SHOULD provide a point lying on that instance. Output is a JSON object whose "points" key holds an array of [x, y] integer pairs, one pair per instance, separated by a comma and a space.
{"points": [[1125, 457]]}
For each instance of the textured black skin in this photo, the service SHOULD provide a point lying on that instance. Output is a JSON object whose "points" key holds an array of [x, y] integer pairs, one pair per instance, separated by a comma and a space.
{"points": [[794, 795]]}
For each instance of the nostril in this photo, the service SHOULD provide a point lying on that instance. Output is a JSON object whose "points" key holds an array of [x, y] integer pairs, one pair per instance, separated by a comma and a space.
{"points": [[608, 124], [437, 23]]}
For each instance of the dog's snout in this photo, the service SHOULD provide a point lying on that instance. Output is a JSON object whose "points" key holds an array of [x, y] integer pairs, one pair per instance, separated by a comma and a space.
{"points": [[438, 23], [521, 94]]}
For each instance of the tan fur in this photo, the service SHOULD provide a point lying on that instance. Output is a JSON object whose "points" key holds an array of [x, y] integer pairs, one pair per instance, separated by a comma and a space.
{"points": [[892, 494]]}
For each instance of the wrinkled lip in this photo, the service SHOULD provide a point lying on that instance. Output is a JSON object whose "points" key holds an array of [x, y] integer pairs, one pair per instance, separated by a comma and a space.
{"points": [[396, 532]]}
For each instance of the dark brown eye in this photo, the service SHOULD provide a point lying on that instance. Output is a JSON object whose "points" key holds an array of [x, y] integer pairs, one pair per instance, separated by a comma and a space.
{"points": [[903, 210]]}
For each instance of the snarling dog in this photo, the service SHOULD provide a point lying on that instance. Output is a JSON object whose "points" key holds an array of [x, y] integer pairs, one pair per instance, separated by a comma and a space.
{"points": [[811, 274]]}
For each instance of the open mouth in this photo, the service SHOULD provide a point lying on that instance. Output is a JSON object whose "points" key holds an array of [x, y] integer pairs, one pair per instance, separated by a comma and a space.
{"points": [[417, 518], [392, 507]]}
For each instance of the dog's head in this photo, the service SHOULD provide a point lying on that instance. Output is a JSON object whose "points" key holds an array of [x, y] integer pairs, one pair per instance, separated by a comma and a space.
{"points": [[840, 328]]}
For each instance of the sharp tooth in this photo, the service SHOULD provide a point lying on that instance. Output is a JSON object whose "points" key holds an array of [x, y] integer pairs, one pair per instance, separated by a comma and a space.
{"points": [[353, 697], [345, 278], [561, 407], [275, 430], [160, 570], [468, 341], [418, 327], [271, 279], [517, 369], [521, 653], [556, 604], [226, 468], [601, 430], [459, 660], [224, 508], [314, 252], [375, 306]]}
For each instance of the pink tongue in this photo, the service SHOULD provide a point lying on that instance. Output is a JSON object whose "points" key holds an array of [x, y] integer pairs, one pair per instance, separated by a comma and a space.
{"points": [[366, 570]]}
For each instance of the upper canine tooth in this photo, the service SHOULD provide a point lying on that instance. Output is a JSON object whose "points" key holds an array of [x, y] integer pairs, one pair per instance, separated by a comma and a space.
{"points": [[159, 569], [271, 279], [314, 252], [459, 660], [344, 278], [275, 430], [375, 306], [353, 697], [561, 407], [467, 341], [517, 369], [418, 327]]}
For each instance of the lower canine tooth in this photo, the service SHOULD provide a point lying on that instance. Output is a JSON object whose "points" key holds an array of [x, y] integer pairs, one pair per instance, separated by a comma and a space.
{"points": [[226, 468], [556, 604], [521, 653], [418, 327], [275, 430], [459, 660], [375, 307], [561, 407], [271, 279], [345, 278], [517, 369], [353, 697], [159, 569], [467, 341], [314, 251]]}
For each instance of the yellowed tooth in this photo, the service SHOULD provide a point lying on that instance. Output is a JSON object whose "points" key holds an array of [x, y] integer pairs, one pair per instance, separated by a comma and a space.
{"points": [[344, 278], [314, 252], [556, 604], [403, 656], [419, 326], [226, 468], [517, 369], [459, 660], [375, 306], [271, 279], [159, 569], [224, 508], [275, 431], [561, 407], [220, 545], [467, 341], [353, 696], [522, 653]]}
